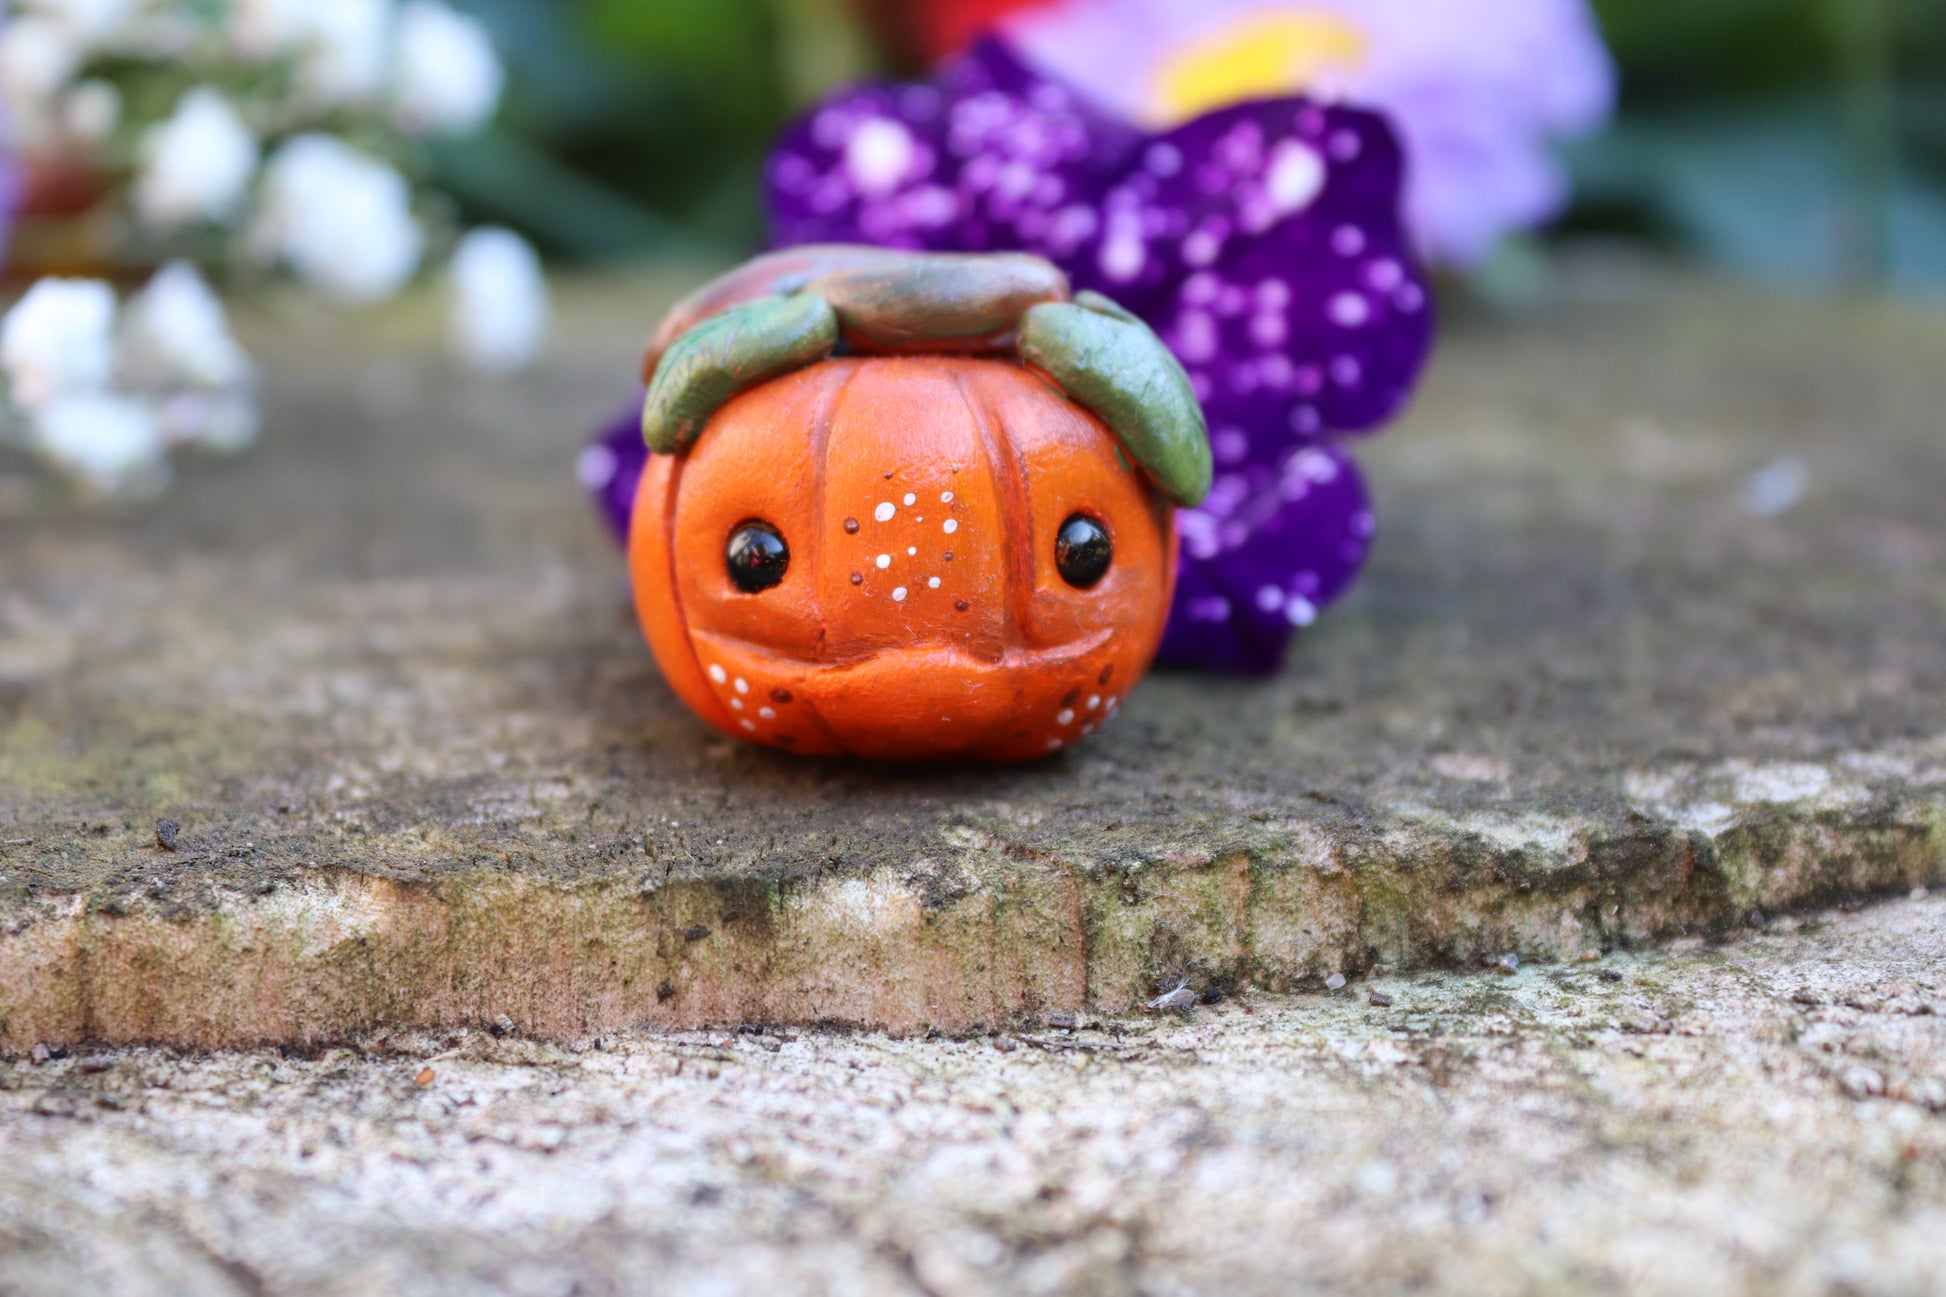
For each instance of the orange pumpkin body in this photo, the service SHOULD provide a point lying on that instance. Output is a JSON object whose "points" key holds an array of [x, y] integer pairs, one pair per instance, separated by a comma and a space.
{"points": [[921, 614]]}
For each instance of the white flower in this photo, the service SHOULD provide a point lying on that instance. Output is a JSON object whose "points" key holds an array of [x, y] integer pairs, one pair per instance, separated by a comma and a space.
{"points": [[93, 111], [341, 46], [500, 309], [349, 41], [57, 341], [197, 164], [340, 218], [223, 421], [448, 78], [89, 20], [38, 57], [176, 335], [109, 442]]}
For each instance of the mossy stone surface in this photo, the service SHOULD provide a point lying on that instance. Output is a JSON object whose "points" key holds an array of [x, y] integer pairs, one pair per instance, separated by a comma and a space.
{"points": [[383, 673]]}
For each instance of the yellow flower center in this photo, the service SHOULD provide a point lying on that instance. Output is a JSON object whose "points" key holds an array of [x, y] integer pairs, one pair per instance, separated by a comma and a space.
{"points": [[1276, 53]]}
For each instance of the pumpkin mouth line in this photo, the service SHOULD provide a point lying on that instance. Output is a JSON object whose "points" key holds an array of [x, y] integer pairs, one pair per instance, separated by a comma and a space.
{"points": [[1012, 656]]}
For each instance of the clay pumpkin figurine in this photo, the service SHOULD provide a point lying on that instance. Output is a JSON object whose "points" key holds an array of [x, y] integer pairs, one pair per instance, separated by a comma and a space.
{"points": [[909, 507]]}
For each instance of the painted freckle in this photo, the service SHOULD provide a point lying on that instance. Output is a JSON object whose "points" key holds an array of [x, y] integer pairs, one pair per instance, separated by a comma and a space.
{"points": [[952, 525], [1094, 701], [858, 578], [1066, 717], [743, 686], [949, 556], [768, 713], [780, 695], [960, 605], [932, 583], [885, 511], [898, 595], [910, 499], [883, 561], [946, 497], [851, 526], [888, 474], [736, 704], [717, 673]]}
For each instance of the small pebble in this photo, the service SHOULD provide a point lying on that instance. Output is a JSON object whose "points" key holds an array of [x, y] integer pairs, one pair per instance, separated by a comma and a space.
{"points": [[40, 1053], [1608, 975], [97, 1063], [1508, 963], [165, 834], [425, 1077], [503, 1026], [1062, 1021], [1381, 999], [1335, 982], [1920, 893]]}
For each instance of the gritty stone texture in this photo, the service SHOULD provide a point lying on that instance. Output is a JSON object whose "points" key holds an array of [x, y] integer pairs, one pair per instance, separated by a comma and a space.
{"points": [[1762, 1117], [383, 673]]}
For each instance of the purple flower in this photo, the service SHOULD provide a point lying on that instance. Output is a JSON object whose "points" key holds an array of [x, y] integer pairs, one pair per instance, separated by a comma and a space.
{"points": [[1479, 89], [610, 468], [1262, 241]]}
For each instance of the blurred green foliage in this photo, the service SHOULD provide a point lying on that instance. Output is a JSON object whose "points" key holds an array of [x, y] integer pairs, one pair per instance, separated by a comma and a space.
{"points": [[1801, 141]]}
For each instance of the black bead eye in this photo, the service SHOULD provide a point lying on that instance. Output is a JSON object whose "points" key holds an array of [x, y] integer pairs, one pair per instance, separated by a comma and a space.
{"points": [[756, 556], [1082, 551]]}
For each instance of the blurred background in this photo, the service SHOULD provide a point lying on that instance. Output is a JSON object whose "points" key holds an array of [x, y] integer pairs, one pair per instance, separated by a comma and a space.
{"points": [[1799, 142], [162, 159]]}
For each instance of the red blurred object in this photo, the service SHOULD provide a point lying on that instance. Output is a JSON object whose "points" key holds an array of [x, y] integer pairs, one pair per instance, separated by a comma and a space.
{"points": [[923, 32]]}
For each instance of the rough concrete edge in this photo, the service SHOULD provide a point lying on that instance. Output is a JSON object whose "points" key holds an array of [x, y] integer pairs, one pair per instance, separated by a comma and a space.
{"points": [[995, 935]]}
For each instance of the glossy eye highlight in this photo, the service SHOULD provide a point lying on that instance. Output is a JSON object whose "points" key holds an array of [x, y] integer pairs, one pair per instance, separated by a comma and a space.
{"points": [[756, 557], [1082, 551]]}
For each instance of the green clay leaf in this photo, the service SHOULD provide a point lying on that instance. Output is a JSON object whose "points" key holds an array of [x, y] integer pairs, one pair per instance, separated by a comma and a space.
{"points": [[941, 298], [1116, 366], [1104, 305], [743, 346]]}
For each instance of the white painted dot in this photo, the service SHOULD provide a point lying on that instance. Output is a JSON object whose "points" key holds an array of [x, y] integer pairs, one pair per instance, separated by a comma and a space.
{"points": [[1066, 716], [910, 499], [932, 583], [743, 686], [952, 525], [736, 704], [717, 673], [750, 725], [898, 595], [768, 713], [945, 497], [1113, 703], [1054, 745], [885, 511], [911, 551], [883, 561], [1094, 701], [1296, 177]]}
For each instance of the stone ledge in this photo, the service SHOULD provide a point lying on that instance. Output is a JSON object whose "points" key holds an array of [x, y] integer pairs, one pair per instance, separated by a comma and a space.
{"points": [[382, 671]]}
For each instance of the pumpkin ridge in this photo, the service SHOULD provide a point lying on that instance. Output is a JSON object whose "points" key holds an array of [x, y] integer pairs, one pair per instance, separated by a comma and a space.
{"points": [[820, 450], [1009, 478], [671, 489]]}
